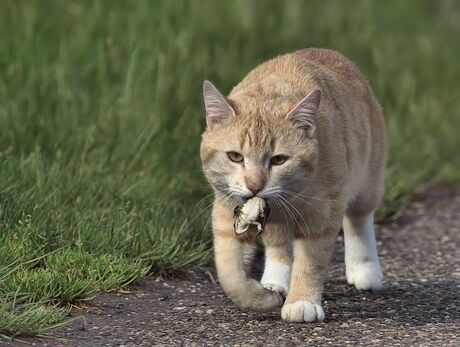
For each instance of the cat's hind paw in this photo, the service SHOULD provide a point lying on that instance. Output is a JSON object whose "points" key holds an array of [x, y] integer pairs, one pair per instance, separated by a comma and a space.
{"points": [[365, 276], [302, 311]]}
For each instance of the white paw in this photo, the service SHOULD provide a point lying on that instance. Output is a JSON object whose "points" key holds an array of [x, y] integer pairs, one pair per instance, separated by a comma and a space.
{"points": [[302, 311], [276, 288], [365, 276], [276, 276]]}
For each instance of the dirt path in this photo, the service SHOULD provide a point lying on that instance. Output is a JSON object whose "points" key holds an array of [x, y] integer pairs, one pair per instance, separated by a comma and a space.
{"points": [[419, 305]]}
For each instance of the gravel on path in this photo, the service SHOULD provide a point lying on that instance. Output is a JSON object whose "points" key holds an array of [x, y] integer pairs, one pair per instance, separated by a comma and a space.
{"points": [[418, 306]]}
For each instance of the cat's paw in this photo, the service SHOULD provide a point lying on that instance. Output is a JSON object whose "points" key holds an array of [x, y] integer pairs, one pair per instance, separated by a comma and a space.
{"points": [[302, 311], [276, 276], [256, 297], [365, 276], [273, 287], [266, 300]]}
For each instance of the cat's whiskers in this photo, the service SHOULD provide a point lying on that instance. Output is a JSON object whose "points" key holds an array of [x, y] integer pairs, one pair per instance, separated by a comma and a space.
{"points": [[228, 199], [204, 198], [230, 196], [275, 194], [305, 201], [308, 197], [297, 211], [271, 191], [280, 191], [288, 210], [280, 207], [199, 214]]}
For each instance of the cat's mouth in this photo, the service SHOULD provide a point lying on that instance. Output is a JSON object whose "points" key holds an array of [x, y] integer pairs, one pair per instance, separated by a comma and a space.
{"points": [[266, 194], [233, 197]]}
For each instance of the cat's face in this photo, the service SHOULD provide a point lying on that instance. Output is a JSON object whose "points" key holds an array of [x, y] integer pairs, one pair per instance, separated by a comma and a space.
{"points": [[263, 160], [245, 155]]}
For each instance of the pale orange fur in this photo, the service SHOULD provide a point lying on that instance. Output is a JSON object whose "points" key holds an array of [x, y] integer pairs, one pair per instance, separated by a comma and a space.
{"points": [[336, 171]]}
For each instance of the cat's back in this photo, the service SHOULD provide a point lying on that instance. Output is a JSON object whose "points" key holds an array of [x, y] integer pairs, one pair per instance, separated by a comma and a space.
{"points": [[332, 62], [291, 76], [305, 65]]}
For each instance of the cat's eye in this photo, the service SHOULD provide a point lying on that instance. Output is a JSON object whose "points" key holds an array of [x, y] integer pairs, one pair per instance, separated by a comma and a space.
{"points": [[235, 157], [278, 159]]}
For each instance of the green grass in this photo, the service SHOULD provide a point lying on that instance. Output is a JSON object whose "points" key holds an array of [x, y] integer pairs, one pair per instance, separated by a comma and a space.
{"points": [[101, 115], [67, 276], [23, 316]]}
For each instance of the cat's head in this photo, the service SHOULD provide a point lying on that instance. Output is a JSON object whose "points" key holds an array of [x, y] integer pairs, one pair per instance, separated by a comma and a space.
{"points": [[245, 154]]}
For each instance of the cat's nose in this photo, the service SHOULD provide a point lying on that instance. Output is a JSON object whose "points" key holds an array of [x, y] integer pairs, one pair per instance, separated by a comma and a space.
{"points": [[254, 189], [254, 184]]}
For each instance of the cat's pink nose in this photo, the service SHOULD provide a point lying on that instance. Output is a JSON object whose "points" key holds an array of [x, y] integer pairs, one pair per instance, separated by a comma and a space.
{"points": [[255, 189], [254, 184]]}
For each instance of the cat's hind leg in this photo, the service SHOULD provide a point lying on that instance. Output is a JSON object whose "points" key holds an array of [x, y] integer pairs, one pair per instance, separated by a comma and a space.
{"points": [[361, 257]]}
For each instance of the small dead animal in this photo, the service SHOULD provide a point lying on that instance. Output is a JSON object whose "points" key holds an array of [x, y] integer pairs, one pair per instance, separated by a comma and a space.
{"points": [[252, 213]]}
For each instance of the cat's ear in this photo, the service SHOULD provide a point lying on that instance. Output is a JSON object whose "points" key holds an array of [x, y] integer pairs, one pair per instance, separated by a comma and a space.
{"points": [[217, 106], [303, 115]]}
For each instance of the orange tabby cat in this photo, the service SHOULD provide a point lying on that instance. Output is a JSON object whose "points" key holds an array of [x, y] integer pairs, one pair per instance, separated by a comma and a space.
{"points": [[305, 132]]}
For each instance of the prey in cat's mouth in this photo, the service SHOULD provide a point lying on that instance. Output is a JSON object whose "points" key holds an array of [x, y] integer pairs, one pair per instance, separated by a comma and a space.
{"points": [[251, 214]]}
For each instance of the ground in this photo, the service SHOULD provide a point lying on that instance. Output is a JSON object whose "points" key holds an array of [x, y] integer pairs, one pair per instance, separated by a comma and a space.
{"points": [[419, 304]]}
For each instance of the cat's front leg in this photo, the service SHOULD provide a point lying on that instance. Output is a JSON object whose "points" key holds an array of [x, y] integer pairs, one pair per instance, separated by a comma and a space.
{"points": [[278, 259], [233, 256], [311, 259]]}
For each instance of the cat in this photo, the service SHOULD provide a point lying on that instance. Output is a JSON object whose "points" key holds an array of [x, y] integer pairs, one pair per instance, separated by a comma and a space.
{"points": [[305, 132]]}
